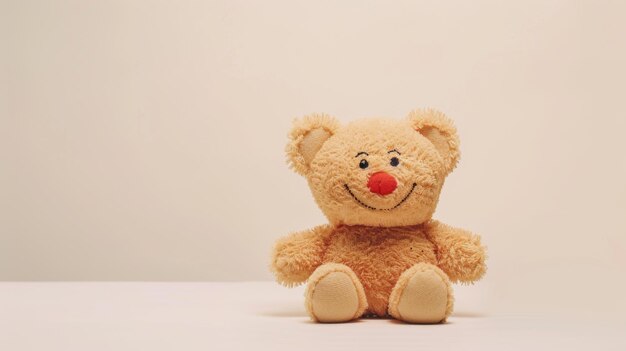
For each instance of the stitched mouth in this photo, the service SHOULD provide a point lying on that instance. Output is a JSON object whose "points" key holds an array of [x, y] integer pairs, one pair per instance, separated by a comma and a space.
{"points": [[380, 209]]}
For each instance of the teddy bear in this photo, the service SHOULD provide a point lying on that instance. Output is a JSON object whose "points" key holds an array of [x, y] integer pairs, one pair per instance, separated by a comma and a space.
{"points": [[377, 181]]}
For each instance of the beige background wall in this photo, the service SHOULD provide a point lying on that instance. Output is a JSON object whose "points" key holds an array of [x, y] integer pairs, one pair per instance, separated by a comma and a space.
{"points": [[143, 140]]}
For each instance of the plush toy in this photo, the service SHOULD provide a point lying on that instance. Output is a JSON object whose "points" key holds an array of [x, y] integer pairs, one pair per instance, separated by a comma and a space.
{"points": [[378, 182]]}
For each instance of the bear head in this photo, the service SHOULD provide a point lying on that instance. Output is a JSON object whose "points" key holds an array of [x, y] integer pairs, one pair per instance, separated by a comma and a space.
{"points": [[375, 172]]}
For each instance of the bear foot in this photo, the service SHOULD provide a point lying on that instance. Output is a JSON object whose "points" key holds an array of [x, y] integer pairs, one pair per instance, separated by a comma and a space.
{"points": [[335, 294], [422, 295]]}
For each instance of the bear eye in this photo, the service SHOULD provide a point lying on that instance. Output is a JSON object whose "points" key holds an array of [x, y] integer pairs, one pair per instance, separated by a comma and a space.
{"points": [[363, 164], [394, 161]]}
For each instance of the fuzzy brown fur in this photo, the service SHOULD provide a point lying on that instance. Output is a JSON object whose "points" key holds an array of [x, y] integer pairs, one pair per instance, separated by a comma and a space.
{"points": [[378, 237]]}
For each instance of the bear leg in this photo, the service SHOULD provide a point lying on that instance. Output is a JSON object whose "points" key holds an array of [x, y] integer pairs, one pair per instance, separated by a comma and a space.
{"points": [[422, 294], [334, 294]]}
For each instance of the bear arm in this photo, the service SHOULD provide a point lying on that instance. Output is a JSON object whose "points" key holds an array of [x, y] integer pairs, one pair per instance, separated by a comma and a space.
{"points": [[297, 255], [459, 252]]}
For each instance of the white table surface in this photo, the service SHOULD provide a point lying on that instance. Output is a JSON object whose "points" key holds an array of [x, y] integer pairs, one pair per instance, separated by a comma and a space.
{"points": [[255, 315]]}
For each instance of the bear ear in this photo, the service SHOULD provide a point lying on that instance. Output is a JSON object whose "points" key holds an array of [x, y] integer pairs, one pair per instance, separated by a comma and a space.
{"points": [[306, 138], [440, 130]]}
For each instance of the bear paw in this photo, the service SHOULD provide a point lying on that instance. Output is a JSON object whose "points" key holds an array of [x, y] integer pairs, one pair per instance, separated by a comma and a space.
{"points": [[421, 295], [334, 294]]}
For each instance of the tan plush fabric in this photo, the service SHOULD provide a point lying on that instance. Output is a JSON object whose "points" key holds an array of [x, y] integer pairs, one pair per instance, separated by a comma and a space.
{"points": [[334, 294], [298, 255], [422, 295], [379, 235], [312, 142], [378, 256], [459, 252], [301, 135]]}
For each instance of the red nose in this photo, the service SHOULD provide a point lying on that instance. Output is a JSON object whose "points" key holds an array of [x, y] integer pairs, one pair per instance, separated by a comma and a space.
{"points": [[382, 183]]}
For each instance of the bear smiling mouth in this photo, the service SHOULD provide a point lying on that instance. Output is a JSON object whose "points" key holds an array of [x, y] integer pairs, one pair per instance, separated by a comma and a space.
{"points": [[380, 209]]}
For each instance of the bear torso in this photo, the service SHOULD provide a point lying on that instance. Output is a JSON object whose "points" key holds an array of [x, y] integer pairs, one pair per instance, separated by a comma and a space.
{"points": [[378, 256]]}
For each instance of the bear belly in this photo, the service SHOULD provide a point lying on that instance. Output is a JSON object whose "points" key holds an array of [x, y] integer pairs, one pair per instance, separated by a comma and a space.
{"points": [[378, 256]]}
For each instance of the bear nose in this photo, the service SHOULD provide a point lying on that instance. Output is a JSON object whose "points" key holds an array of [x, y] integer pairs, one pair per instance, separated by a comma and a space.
{"points": [[382, 183]]}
